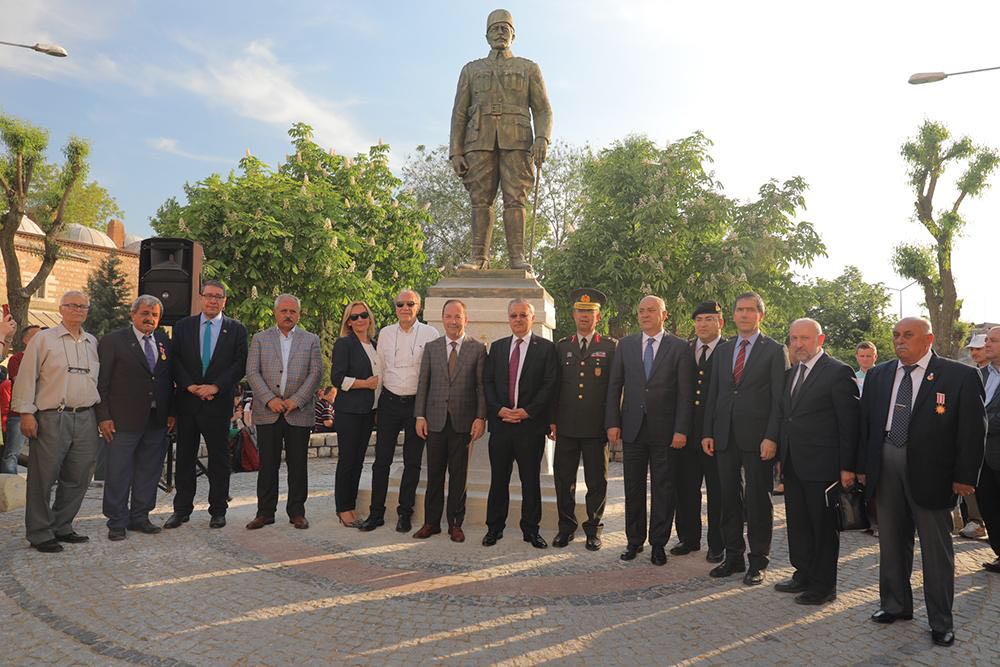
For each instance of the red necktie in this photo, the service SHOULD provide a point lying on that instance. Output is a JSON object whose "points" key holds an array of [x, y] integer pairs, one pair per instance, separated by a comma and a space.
{"points": [[741, 360], [512, 368]]}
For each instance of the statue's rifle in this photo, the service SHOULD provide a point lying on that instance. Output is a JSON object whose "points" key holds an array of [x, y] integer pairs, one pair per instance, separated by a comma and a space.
{"points": [[534, 217]]}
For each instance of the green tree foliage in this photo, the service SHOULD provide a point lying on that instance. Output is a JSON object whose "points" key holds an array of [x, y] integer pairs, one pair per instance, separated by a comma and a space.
{"points": [[851, 310], [88, 204], [327, 228], [23, 154], [928, 155], [109, 298], [654, 221]]}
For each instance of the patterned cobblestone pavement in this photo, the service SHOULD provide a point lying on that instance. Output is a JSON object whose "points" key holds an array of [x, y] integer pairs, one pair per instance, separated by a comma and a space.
{"points": [[331, 595]]}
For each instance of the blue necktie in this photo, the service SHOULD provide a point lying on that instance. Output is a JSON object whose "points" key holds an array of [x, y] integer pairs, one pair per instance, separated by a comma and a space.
{"points": [[147, 347], [647, 357], [900, 428], [206, 347]]}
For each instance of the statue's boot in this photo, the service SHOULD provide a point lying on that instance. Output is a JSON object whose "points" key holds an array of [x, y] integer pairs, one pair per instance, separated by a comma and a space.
{"points": [[513, 225], [482, 234]]}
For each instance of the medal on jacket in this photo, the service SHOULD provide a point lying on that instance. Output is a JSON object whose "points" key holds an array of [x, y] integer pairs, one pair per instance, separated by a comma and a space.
{"points": [[163, 353], [940, 404], [597, 372]]}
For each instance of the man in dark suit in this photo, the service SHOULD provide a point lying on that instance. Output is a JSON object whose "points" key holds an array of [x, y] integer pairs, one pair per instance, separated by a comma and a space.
{"points": [[450, 409], [649, 409], [691, 463], [988, 491], [578, 427], [210, 358], [133, 416], [923, 426], [819, 442], [741, 431], [520, 381]]}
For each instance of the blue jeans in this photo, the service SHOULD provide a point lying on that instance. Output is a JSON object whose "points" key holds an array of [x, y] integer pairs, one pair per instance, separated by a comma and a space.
{"points": [[13, 443]]}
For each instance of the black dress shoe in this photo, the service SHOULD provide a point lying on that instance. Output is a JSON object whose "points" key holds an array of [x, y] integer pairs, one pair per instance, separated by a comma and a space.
{"points": [[217, 521], [682, 549], [659, 556], [147, 527], [116, 534], [790, 586], [631, 551], [815, 598], [73, 538], [403, 524], [715, 557], [594, 543], [491, 538], [992, 566], [48, 546], [536, 541], [176, 520], [753, 577], [562, 539], [885, 617], [727, 568], [946, 638], [371, 523]]}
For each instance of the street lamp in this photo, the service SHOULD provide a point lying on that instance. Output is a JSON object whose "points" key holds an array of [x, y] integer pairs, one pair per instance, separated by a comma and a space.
{"points": [[48, 49], [931, 77], [901, 290]]}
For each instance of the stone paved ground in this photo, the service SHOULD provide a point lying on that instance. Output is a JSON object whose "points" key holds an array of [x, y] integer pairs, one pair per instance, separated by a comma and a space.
{"points": [[332, 595]]}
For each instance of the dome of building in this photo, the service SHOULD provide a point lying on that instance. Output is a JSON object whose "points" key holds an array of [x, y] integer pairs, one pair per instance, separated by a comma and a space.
{"points": [[29, 226], [80, 234], [133, 243]]}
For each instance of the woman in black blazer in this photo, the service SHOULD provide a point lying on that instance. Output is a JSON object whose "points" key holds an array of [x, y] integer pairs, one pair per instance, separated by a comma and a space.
{"points": [[355, 374]]}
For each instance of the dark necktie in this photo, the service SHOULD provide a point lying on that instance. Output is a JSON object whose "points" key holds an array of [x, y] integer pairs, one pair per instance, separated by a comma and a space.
{"points": [[583, 348], [647, 357], [741, 360], [901, 410], [799, 379], [512, 366], [147, 347], [704, 355], [452, 360]]}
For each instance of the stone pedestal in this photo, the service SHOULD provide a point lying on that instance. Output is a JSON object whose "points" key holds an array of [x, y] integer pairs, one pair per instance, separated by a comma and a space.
{"points": [[12, 491]]}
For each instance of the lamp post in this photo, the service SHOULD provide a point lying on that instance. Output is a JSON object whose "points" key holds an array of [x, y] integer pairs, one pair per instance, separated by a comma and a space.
{"points": [[901, 290], [931, 77], [47, 49]]}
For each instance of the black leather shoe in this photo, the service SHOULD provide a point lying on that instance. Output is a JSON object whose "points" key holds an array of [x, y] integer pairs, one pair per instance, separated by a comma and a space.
{"points": [[992, 566], [727, 568], [659, 556], [491, 538], [815, 598], [176, 520], [536, 541], [147, 527], [790, 586], [943, 638], [753, 577], [48, 546], [885, 617], [562, 539], [682, 549], [631, 551], [403, 524], [73, 538], [116, 534], [594, 543], [371, 523], [715, 557], [218, 521]]}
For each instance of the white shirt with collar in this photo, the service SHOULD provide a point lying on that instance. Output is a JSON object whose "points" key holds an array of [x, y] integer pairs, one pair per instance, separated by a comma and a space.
{"points": [[711, 348], [216, 330], [808, 365], [448, 342], [657, 339], [916, 376], [399, 355], [285, 342], [520, 365]]}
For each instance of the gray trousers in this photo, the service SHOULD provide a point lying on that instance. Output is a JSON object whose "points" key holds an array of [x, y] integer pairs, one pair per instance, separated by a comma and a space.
{"points": [[898, 516], [63, 456]]}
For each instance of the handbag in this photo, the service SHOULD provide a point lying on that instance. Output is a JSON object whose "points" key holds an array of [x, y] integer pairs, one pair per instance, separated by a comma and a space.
{"points": [[849, 505]]}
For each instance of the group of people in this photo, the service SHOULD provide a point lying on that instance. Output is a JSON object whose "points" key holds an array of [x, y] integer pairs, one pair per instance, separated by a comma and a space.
{"points": [[913, 431]]}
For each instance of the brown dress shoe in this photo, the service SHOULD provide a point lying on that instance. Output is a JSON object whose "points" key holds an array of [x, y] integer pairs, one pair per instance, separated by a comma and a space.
{"points": [[260, 522], [456, 533], [426, 531], [299, 522]]}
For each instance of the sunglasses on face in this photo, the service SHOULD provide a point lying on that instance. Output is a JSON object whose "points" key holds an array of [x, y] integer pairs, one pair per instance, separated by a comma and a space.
{"points": [[358, 316], [400, 304]]}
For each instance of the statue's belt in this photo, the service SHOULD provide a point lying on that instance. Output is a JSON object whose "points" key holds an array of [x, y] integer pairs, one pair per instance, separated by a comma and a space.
{"points": [[499, 109]]}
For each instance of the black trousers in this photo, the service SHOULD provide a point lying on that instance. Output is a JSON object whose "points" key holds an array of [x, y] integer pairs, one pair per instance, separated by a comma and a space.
{"points": [[813, 538], [595, 473], [649, 453], [691, 464], [527, 450], [746, 484], [190, 430], [988, 497], [271, 438], [395, 414], [447, 449], [353, 433]]}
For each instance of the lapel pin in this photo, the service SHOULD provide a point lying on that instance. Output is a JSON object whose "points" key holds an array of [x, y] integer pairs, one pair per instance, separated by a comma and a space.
{"points": [[930, 377]]}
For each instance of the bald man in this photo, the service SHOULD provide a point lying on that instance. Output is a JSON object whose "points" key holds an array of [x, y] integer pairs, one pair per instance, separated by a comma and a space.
{"points": [[923, 428]]}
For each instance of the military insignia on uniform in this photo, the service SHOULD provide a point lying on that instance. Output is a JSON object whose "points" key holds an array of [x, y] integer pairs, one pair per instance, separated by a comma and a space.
{"points": [[163, 353], [597, 372], [599, 355], [930, 377], [569, 354], [940, 404]]}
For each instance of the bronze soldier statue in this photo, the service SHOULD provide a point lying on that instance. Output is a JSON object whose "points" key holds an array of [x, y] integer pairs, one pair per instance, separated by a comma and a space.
{"points": [[492, 143]]}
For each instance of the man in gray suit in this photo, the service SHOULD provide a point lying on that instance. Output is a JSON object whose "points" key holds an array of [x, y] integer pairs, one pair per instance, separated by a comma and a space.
{"points": [[450, 409], [284, 368], [649, 407]]}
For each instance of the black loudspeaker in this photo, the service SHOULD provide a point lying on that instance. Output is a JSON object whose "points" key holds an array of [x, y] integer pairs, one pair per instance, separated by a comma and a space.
{"points": [[170, 269]]}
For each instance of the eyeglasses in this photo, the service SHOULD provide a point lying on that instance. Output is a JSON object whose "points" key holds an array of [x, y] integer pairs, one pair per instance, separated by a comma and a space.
{"points": [[358, 316], [76, 306], [213, 297], [400, 304]]}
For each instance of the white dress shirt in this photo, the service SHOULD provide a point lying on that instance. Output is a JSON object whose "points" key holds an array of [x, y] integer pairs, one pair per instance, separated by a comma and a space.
{"points": [[656, 343], [520, 364], [399, 354], [286, 350], [711, 348], [916, 375], [448, 342], [809, 366]]}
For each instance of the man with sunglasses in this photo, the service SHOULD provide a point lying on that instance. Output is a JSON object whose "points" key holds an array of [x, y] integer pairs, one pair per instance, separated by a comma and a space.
{"points": [[400, 349]]}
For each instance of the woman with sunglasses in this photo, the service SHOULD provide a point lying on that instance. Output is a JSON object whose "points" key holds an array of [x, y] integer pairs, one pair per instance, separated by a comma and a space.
{"points": [[355, 374]]}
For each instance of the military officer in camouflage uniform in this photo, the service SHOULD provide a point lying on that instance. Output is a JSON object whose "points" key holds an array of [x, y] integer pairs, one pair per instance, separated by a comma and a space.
{"points": [[492, 141], [584, 360]]}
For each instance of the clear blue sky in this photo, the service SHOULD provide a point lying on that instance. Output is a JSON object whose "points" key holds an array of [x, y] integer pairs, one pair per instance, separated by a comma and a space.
{"points": [[170, 92]]}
